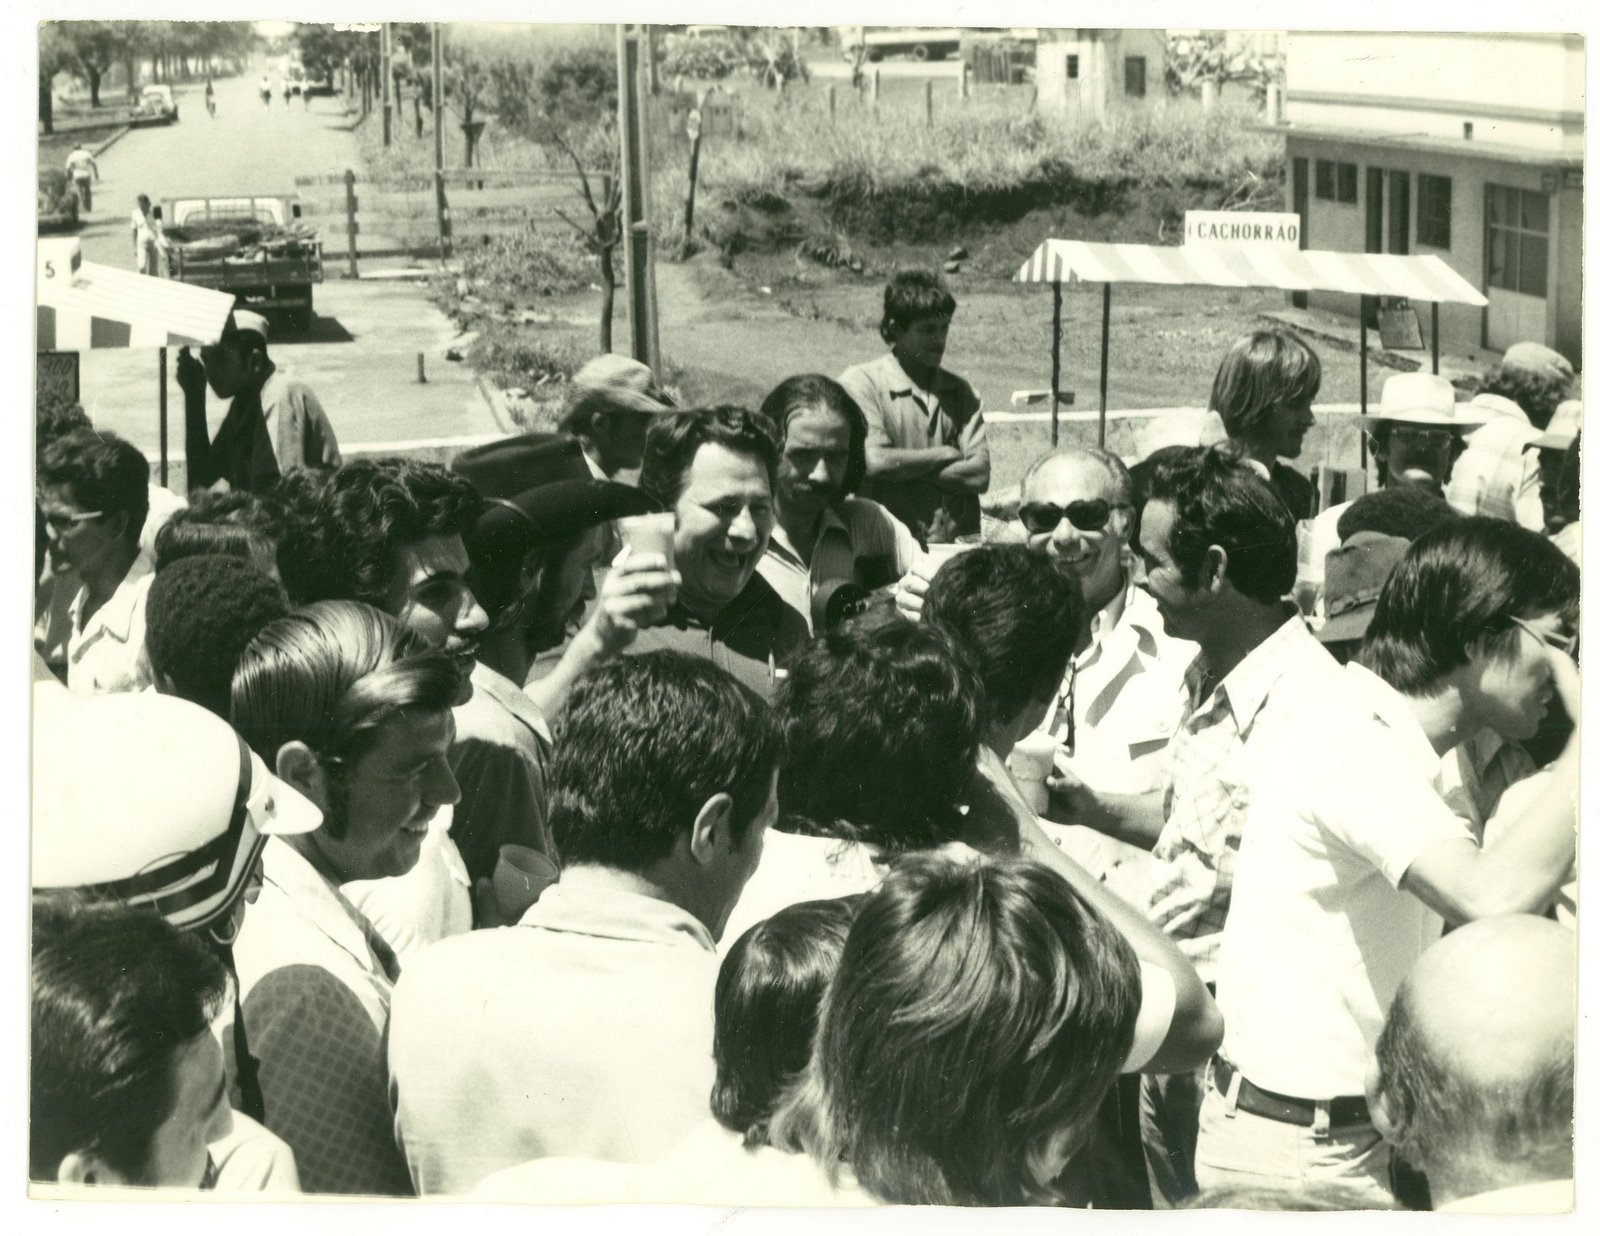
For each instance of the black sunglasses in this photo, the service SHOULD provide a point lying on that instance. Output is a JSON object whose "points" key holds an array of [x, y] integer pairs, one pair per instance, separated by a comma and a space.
{"points": [[1088, 515]]}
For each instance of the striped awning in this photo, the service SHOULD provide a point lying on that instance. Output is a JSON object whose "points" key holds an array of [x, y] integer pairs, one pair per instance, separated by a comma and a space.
{"points": [[1421, 278], [87, 305]]}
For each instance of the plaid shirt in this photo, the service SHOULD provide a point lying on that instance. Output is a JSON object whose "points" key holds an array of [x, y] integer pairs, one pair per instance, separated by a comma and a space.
{"points": [[1498, 474], [1209, 775]]}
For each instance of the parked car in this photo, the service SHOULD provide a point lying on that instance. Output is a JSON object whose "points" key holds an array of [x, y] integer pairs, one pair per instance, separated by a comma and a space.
{"points": [[157, 105]]}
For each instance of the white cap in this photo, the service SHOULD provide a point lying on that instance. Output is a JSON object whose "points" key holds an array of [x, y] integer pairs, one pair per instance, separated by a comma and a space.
{"points": [[148, 799], [245, 319]]}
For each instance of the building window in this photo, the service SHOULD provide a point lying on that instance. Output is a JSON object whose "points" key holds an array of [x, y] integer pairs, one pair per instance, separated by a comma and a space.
{"points": [[1433, 211], [1336, 182], [1519, 240], [1133, 76], [1072, 66]]}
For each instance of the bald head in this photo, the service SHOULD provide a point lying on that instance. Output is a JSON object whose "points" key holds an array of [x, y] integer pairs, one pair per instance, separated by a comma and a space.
{"points": [[1081, 462], [1475, 1061]]}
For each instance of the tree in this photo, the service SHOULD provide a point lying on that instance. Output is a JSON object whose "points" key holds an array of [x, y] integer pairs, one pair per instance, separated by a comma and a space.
{"points": [[572, 110], [55, 56], [95, 47]]}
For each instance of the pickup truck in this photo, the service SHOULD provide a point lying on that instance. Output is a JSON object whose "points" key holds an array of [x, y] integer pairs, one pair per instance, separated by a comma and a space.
{"points": [[917, 42], [252, 247]]}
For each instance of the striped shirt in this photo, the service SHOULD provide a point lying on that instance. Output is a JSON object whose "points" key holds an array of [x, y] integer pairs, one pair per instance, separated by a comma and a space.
{"points": [[1210, 775]]}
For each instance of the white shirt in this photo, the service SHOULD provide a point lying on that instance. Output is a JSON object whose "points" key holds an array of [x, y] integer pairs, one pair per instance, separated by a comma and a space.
{"points": [[584, 1031], [105, 651], [1126, 696], [710, 1167], [1320, 934]]}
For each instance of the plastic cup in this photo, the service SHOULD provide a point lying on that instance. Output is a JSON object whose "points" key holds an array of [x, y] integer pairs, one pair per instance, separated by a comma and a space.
{"points": [[936, 555], [1030, 762], [520, 876], [649, 534]]}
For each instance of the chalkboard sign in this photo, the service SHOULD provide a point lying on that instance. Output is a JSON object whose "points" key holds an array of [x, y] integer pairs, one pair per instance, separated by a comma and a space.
{"points": [[1397, 323], [55, 379]]}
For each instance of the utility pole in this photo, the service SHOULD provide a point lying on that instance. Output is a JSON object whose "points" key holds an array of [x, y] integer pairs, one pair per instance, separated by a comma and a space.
{"points": [[633, 134], [386, 46], [438, 143]]}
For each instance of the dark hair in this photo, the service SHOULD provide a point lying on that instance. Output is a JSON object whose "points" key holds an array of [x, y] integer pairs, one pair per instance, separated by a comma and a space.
{"points": [[200, 615], [343, 535], [806, 392], [1140, 475], [981, 1010], [235, 523], [769, 995], [675, 439], [1015, 615], [1406, 511], [1569, 481], [55, 420], [1537, 394], [881, 722], [1441, 1119], [912, 295], [644, 743], [1259, 372], [116, 994], [1218, 499], [103, 473], [333, 675], [1459, 583]]}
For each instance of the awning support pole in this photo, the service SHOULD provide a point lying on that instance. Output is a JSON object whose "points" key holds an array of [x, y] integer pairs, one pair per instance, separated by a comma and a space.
{"points": [[1363, 435], [1105, 353], [1055, 370], [1434, 336], [163, 362]]}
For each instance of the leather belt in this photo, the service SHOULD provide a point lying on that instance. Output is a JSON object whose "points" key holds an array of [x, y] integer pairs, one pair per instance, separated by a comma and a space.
{"points": [[1284, 1108]]}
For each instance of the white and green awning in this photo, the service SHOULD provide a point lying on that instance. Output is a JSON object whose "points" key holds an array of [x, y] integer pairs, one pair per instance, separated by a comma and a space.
{"points": [[82, 305], [1416, 277]]}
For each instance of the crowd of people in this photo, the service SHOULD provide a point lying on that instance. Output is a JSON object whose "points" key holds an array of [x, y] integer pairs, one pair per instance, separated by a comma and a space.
{"points": [[719, 805]]}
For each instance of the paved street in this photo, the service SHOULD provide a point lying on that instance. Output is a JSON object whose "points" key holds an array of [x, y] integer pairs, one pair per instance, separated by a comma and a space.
{"points": [[360, 356]]}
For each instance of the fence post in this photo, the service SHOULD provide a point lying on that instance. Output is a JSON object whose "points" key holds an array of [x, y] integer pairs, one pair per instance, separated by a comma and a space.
{"points": [[877, 85], [927, 99], [350, 225], [965, 86], [833, 101], [1208, 95]]}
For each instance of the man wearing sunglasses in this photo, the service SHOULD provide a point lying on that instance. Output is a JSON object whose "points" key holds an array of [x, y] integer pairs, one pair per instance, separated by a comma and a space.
{"points": [[93, 498], [1353, 861], [1120, 700]]}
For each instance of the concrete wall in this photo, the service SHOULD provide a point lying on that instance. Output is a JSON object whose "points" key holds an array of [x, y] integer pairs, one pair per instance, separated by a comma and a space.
{"points": [[1100, 84], [1520, 89], [1342, 226]]}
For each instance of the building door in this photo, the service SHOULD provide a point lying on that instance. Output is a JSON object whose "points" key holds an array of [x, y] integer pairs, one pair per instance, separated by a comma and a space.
{"points": [[1399, 212], [1300, 177], [1374, 210], [1516, 266]]}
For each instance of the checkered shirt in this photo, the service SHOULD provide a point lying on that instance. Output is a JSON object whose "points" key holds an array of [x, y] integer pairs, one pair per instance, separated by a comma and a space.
{"points": [[1498, 474], [1209, 778]]}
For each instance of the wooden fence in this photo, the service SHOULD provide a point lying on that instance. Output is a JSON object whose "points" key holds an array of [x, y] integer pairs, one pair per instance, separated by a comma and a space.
{"points": [[434, 214]]}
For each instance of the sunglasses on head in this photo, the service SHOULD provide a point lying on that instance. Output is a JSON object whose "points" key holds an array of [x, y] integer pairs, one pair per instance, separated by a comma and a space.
{"points": [[1088, 515]]}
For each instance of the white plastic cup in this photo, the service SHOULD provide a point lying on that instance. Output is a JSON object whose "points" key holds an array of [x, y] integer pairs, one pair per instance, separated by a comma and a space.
{"points": [[1030, 762], [936, 555], [519, 877], [649, 534]]}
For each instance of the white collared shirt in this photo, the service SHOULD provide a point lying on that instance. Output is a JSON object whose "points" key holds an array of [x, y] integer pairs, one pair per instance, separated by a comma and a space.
{"points": [[1320, 934], [583, 1031], [105, 652], [1126, 693]]}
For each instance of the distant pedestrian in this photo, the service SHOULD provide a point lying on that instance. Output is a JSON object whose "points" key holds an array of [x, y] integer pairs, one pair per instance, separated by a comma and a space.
{"points": [[266, 90], [211, 99], [147, 238], [79, 164]]}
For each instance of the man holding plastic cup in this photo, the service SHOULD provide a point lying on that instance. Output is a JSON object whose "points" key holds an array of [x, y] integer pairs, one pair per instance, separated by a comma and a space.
{"points": [[714, 469]]}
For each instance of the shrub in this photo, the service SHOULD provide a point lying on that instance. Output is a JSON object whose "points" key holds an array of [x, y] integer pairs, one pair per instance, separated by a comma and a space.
{"points": [[703, 59], [56, 196]]}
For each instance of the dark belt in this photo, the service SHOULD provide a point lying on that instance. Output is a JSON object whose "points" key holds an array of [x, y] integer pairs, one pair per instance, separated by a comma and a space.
{"points": [[1286, 1109]]}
